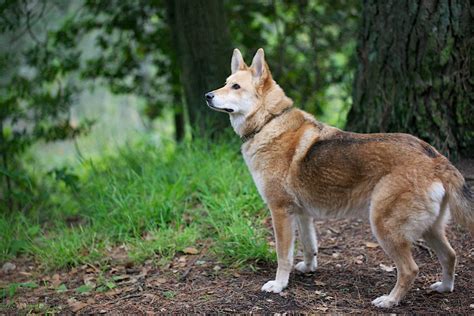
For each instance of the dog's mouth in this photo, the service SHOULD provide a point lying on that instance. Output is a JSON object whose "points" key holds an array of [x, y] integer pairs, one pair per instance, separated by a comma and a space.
{"points": [[225, 110]]}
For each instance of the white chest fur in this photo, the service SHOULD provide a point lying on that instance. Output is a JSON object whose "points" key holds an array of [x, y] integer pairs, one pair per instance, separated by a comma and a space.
{"points": [[257, 175]]}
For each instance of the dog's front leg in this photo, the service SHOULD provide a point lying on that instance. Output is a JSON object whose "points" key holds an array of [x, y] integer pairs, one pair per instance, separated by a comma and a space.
{"points": [[283, 226]]}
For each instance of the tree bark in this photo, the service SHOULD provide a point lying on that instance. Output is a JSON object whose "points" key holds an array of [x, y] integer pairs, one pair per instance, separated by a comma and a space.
{"points": [[414, 72], [204, 50]]}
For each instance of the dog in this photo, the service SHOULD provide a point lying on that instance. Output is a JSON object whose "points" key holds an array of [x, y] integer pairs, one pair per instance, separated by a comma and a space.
{"points": [[305, 169]]}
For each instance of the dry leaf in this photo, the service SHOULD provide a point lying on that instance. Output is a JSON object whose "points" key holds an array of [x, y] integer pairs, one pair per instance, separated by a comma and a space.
{"points": [[8, 267], [319, 283], [387, 268], [56, 280], [24, 273], [75, 305], [371, 244], [161, 280], [89, 281], [190, 251]]}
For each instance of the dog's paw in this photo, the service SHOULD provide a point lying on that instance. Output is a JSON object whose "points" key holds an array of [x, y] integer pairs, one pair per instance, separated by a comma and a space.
{"points": [[442, 287], [304, 268], [384, 301], [273, 286]]}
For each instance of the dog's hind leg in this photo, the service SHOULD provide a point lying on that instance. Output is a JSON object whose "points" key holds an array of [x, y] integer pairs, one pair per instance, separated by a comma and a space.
{"points": [[436, 239], [396, 215], [407, 270], [309, 241]]}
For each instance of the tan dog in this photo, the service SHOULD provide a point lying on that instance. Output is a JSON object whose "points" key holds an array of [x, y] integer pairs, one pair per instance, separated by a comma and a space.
{"points": [[304, 169]]}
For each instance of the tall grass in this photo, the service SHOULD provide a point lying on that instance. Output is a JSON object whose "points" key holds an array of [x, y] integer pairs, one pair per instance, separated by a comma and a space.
{"points": [[156, 200]]}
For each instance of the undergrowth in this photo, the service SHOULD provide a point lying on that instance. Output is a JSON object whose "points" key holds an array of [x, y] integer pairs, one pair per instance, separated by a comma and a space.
{"points": [[155, 200]]}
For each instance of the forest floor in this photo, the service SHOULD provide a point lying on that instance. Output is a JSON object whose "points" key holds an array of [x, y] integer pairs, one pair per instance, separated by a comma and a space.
{"points": [[353, 270]]}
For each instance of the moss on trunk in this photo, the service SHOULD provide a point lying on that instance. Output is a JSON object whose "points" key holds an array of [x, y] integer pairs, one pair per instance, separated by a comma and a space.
{"points": [[414, 72]]}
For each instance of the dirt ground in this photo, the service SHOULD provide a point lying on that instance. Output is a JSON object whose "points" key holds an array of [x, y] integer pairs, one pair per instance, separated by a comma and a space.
{"points": [[352, 271]]}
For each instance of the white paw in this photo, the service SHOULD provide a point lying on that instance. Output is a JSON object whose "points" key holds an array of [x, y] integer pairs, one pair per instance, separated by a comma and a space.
{"points": [[304, 268], [273, 286], [442, 287], [384, 301]]}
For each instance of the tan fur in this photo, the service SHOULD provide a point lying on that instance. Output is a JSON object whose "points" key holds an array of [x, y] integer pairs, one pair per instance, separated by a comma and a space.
{"points": [[304, 169]]}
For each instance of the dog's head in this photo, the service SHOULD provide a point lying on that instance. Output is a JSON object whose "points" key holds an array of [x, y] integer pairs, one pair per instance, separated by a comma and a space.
{"points": [[247, 90]]}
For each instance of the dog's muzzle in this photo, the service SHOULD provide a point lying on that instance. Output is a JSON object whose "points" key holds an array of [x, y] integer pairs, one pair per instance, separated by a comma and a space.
{"points": [[209, 97]]}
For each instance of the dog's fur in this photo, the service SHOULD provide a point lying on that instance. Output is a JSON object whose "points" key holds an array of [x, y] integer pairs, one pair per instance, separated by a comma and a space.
{"points": [[304, 169]]}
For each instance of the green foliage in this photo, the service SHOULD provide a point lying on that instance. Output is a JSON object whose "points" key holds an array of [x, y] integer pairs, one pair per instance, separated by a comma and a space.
{"points": [[156, 200], [35, 97], [11, 289], [59, 49], [310, 48]]}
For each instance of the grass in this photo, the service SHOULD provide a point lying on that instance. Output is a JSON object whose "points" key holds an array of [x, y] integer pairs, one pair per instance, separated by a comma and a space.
{"points": [[154, 199]]}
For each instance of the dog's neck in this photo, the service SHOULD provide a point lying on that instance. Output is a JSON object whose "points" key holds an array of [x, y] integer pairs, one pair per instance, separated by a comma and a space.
{"points": [[272, 104]]}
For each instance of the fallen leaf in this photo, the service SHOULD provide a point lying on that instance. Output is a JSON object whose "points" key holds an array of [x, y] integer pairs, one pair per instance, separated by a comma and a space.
{"points": [[56, 280], [160, 281], [61, 289], [119, 278], [8, 267], [387, 268], [75, 305], [371, 244], [319, 283], [29, 285], [84, 289], [89, 281], [190, 251], [21, 305], [321, 308]]}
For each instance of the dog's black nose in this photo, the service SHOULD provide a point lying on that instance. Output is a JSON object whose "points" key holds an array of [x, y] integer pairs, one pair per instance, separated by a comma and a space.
{"points": [[209, 95]]}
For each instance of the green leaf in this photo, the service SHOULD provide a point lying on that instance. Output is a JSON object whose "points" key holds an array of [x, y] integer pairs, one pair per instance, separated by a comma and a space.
{"points": [[29, 285], [61, 289], [84, 289]]}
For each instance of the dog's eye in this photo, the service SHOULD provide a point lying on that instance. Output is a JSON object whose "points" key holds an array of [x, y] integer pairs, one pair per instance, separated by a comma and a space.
{"points": [[235, 86]]}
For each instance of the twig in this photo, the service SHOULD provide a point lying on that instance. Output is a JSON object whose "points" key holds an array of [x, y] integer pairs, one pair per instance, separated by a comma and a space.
{"points": [[329, 247], [191, 264], [130, 296]]}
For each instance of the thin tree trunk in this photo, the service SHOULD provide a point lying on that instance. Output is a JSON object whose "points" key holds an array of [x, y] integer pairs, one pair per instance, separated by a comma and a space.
{"points": [[179, 122], [204, 49], [414, 72]]}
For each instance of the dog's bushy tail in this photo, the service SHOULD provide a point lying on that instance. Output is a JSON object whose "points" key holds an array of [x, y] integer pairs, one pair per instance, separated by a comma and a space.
{"points": [[460, 197]]}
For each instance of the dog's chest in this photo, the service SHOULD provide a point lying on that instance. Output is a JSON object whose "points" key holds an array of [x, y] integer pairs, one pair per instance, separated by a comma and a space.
{"points": [[257, 175]]}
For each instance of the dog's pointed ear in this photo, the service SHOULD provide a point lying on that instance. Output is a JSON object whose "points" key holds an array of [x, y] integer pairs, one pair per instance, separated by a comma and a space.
{"points": [[237, 62], [259, 66]]}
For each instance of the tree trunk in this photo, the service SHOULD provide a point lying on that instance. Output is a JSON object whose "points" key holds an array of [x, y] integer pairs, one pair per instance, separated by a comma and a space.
{"points": [[414, 72], [204, 51]]}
